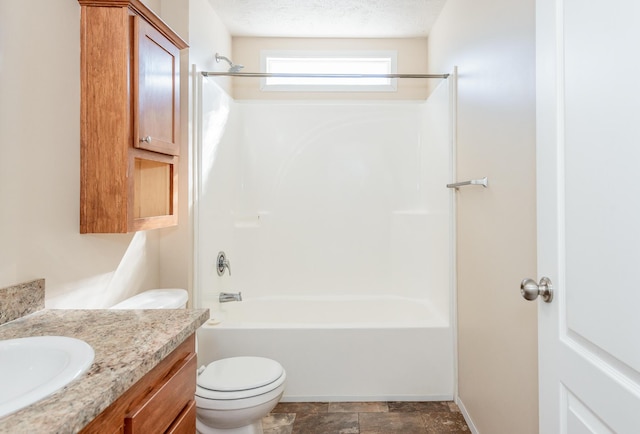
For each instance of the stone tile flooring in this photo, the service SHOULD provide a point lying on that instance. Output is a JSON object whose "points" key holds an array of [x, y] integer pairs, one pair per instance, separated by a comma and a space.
{"points": [[365, 418]]}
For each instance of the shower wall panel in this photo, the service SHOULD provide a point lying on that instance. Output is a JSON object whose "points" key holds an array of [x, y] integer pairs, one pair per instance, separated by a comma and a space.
{"points": [[342, 199], [216, 161]]}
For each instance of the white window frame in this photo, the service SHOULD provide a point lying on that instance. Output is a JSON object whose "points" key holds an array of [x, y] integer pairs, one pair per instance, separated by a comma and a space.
{"points": [[325, 84]]}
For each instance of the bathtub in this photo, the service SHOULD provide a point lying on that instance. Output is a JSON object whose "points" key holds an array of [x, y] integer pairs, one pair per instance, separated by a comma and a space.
{"points": [[339, 348]]}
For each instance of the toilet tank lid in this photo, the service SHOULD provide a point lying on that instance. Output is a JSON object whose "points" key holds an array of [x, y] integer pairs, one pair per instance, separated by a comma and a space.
{"points": [[172, 298]]}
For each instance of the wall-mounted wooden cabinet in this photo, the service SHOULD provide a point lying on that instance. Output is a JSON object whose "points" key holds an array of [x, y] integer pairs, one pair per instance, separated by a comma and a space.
{"points": [[130, 118]]}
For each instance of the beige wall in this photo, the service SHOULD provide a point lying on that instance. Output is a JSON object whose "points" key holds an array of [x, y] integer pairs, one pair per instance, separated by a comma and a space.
{"points": [[40, 168], [411, 59], [40, 160], [154, 5], [207, 36], [492, 42]]}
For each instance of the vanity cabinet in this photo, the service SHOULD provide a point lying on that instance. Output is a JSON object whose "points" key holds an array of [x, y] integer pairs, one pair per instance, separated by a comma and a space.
{"points": [[130, 118], [160, 402]]}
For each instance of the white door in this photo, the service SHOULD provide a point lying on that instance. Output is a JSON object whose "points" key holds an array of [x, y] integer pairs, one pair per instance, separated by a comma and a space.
{"points": [[588, 142]]}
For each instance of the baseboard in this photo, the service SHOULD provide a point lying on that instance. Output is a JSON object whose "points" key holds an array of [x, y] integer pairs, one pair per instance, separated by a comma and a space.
{"points": [[325, 398], [466, 416]]}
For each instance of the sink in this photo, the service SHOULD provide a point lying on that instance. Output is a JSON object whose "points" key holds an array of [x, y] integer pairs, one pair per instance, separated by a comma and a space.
{"points": [[33, 368]]}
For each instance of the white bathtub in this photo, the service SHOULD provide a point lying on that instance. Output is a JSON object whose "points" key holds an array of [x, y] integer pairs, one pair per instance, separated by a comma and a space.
{"points": [[339, 348]]}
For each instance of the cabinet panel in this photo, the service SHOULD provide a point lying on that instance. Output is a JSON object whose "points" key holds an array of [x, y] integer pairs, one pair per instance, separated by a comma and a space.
{"points": [[153, 179], [156, 96], [104, 121]]}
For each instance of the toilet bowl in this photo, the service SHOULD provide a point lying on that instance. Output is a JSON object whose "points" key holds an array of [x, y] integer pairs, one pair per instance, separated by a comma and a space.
{"points": [[234, 394]]}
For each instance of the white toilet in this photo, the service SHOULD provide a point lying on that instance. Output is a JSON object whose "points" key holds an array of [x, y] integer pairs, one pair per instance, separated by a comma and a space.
{"points": [[234, 394]]}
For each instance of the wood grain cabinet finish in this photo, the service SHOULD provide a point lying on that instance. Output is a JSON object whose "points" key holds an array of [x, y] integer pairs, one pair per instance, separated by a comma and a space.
{"points": [[130, 118], [157, 95], [160, 402]]}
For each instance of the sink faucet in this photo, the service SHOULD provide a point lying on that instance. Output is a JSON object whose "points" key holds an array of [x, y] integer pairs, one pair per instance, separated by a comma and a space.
{"points": [[229, 296]]}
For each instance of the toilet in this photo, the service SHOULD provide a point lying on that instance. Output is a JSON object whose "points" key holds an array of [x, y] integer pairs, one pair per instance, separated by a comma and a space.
{"points": [[156, 299], [234, 394]]}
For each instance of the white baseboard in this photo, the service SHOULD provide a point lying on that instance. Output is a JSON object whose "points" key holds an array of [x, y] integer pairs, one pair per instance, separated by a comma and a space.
{"points": [[349, 398], [466, 416]]}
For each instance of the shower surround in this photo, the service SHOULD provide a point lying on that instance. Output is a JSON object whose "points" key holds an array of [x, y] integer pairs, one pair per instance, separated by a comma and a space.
{"points": [[329, 206]]}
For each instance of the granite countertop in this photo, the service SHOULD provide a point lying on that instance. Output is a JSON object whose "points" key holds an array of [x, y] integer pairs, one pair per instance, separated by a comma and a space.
{"points": [[127, 345]]}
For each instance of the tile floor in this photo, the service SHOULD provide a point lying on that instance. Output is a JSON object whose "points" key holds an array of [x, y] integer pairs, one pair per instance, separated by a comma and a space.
{"points": [[365, 418]]}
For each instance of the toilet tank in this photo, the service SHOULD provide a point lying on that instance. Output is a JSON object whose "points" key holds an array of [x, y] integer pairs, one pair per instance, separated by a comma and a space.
{"points": [[156, 299]]}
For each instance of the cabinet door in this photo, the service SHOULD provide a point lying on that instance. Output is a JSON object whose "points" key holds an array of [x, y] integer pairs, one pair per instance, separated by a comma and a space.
{"points": [[156, 92]]}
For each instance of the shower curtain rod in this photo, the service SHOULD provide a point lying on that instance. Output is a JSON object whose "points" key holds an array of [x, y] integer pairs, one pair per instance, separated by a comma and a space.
{"points": [[294, 75]]}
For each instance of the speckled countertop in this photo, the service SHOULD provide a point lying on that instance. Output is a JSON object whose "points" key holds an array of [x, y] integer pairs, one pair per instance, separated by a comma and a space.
{"points": [[127, 345]]}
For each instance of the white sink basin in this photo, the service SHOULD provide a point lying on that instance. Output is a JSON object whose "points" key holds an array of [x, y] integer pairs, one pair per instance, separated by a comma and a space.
{"points": [[33, 368]]}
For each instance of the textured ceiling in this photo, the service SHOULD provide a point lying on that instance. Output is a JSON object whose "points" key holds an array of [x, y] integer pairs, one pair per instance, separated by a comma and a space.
{"points": [[329, 18]]}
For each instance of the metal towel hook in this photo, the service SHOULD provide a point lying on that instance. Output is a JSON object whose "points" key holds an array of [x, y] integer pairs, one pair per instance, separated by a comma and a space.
{"points": [[483, 182]]}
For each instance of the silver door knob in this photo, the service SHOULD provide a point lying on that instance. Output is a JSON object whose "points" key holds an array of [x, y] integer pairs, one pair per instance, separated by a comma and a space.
{"points": [[530, 290], [146, 139]]}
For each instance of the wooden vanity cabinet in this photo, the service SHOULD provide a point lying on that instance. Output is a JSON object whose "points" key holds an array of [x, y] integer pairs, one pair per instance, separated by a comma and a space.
{"points": [[130, 118], [160, 402]]}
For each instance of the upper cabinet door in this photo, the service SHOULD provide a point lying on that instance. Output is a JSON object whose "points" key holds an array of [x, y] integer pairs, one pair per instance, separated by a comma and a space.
{"points": [[156, 65]]}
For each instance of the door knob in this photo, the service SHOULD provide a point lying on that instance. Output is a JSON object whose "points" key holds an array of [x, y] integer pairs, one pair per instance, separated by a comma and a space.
{"points": [[530, 290]]}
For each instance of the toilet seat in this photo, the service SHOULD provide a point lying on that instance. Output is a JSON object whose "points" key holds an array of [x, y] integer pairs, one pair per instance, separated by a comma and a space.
{"points": [[239, 378]]}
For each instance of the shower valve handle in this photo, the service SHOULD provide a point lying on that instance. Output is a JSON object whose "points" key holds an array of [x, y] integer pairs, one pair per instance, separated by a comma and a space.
{"points": [[222, 263]]}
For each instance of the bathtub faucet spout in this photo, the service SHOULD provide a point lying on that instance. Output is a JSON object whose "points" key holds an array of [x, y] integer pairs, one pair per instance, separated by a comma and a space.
{"points": [[229, 296]]}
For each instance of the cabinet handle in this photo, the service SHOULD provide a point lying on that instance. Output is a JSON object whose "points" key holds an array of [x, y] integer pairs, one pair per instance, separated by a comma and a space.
{"points": [[146, 139]]}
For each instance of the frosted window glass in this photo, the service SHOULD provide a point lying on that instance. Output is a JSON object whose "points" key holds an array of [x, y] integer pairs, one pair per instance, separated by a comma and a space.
{"points": [[307, 63]]}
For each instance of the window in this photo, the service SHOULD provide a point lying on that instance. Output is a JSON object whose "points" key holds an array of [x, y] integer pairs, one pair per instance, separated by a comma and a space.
{"points": [[321, 62]]}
